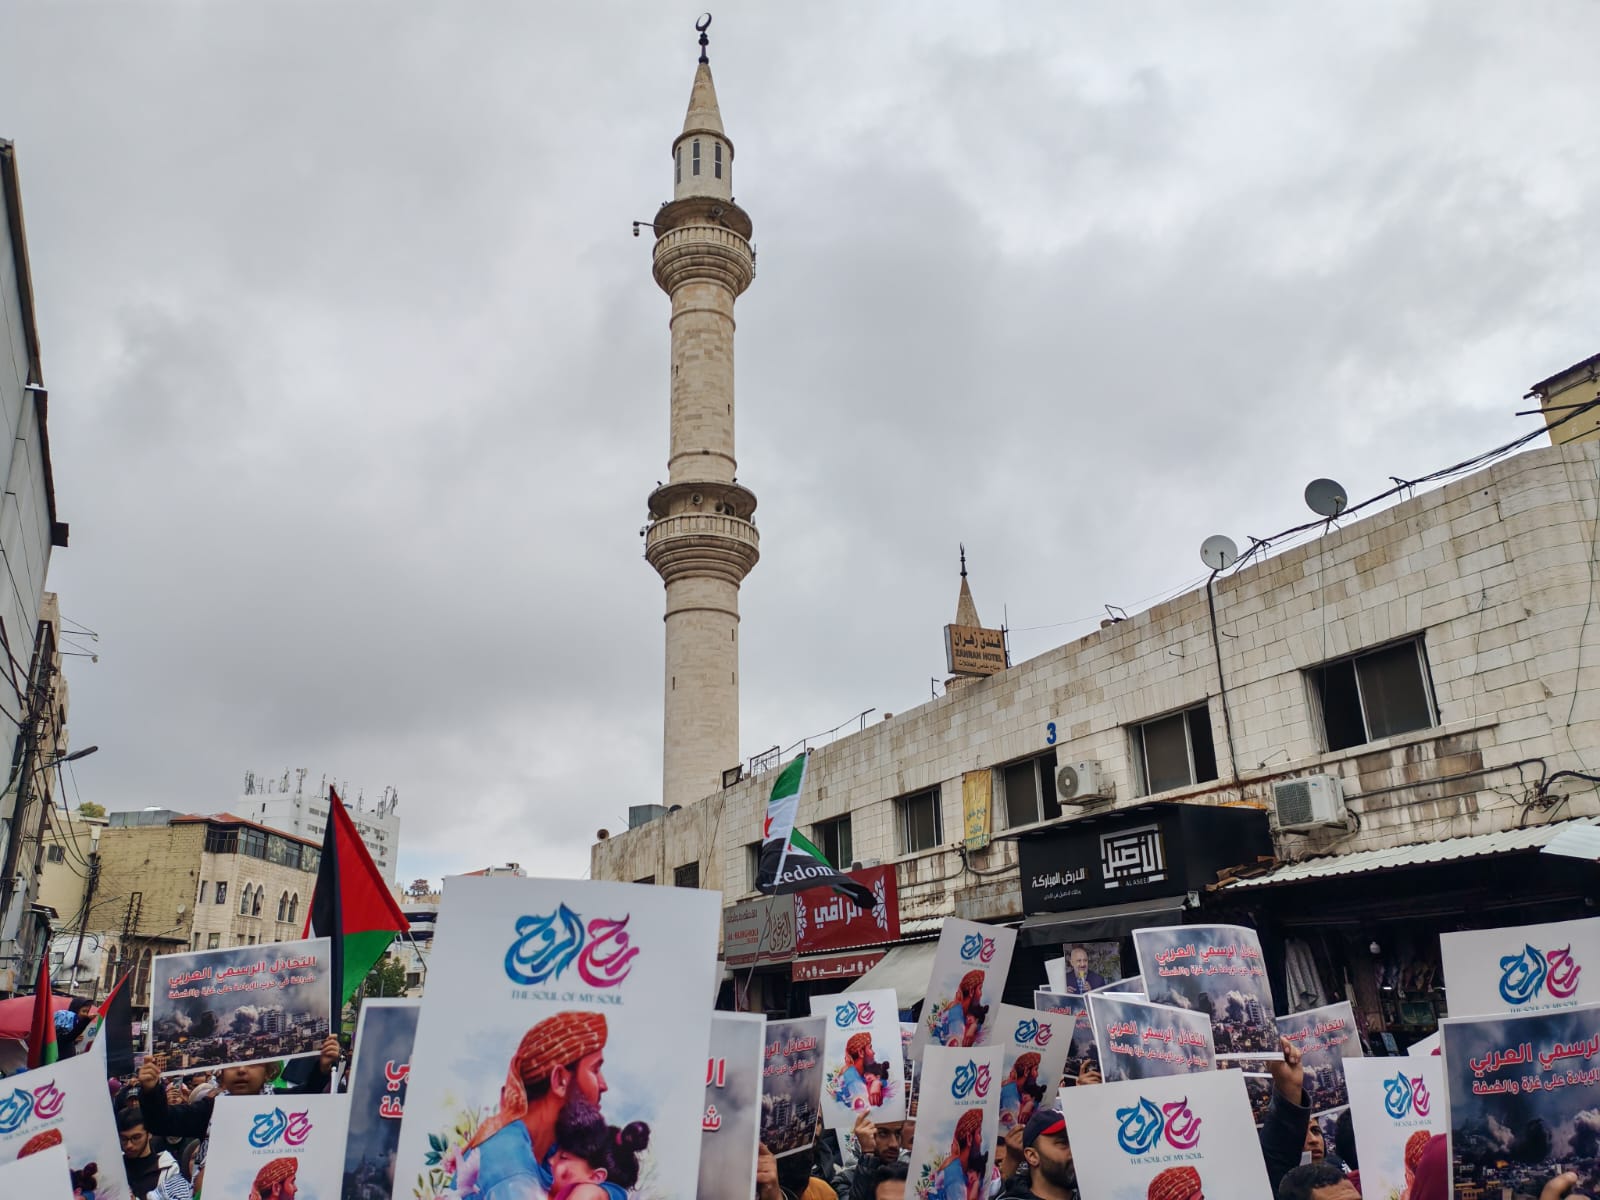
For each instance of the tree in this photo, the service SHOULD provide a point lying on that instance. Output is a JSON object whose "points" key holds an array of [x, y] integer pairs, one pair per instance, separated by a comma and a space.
{"points": [[90, 809], [419, 887], [388, 978]]}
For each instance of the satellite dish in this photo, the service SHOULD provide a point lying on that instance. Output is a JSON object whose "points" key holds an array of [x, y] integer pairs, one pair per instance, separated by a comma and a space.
{"points": [[1218, 552], [1326, 498]]}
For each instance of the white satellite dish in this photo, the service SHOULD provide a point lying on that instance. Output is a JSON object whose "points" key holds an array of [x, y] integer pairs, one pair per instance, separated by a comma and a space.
{"points": [[1218, 552], [1326, 498]]}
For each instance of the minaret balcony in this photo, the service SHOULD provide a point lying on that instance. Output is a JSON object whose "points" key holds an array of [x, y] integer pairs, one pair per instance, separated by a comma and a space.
{"points": [[703, 252], [706, 544]]}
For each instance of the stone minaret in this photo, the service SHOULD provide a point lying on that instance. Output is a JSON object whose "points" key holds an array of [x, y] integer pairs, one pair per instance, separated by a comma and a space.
{"points": [[701, 538]]}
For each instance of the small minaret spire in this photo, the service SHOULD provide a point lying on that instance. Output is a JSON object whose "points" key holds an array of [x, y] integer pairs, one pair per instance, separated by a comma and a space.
{"points": [[966, 609], [963, 560], [703, 24]]}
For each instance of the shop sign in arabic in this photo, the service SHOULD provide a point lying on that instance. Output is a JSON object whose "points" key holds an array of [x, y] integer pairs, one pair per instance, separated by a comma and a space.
{"points": [[971, 650]]}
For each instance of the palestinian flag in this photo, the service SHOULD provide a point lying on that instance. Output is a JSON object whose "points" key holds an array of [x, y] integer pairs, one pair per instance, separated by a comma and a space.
{"points": [[351, 904], [42, 1049], [115, 1025], [789, 862]]}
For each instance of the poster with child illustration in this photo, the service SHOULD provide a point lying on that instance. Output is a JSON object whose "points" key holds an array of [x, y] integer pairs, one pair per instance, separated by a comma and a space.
{"points": [[862, 1069], [969, 973], [294, 1144]]}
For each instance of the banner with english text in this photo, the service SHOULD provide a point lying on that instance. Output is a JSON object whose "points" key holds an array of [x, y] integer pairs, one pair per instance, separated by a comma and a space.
{"points": [[379, 1069], [1139, 1040], [1217, 970], [861, 1058], [1522, 968], [968, 977], [1034, 1047], [243, 1004], [65, 1105], [1396, 1105], [791, 1084], [730, 1124], [41, 1176], [1524, 1099], [1181, 1135], [958, 1113], [258, 1141], [550, 1001]]}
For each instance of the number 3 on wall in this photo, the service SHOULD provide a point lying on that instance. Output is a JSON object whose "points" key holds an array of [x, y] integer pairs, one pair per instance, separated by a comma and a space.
{"points": [[1050, 734]]}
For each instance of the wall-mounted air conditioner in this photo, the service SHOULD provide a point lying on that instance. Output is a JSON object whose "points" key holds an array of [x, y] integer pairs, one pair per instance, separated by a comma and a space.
{"points": [[1309, 802], [1082, 783]]}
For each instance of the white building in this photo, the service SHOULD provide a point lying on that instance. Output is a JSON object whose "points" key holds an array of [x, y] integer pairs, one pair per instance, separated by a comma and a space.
{"points": [[286, 803]]}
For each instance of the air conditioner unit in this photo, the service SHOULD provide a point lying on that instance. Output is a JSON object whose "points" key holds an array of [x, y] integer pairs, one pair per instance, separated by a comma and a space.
{"points": [[1308, 802], [1081, 783]]}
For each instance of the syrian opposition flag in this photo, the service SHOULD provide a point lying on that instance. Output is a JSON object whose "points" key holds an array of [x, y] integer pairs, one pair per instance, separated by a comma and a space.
{"points": [[351, 904], [42, 1048], [790, 863]]}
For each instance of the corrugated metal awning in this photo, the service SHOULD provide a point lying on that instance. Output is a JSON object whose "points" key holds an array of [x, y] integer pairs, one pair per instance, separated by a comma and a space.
{"points": [[1482, 845], [906, 969]]}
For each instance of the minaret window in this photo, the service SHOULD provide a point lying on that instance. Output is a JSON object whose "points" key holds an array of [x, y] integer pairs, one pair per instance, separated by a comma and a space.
{"points": [[696, 166], [718, 156], [677, 167]]}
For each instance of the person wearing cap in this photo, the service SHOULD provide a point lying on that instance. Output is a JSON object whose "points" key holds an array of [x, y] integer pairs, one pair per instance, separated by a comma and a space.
{"points": [[557, 1065], [276, 1181]]}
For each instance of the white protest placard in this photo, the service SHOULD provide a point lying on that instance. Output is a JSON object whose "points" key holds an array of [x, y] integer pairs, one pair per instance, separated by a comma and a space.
{"points": [[65, 1104], [379, 1068], [1181, 1135], [41, 1176], [1082, 1050], [1396, 1105], [1524, 1095], [550, 1000], [1139, 1040], [731, 1123], [259, 1141], [1522, 968], [958, 1113], [244, 1004], [1217, 970], [791, 1085], [1326, 1038], [1034, 1048], [969, 974], [1427, 1045], [862, 1068]]}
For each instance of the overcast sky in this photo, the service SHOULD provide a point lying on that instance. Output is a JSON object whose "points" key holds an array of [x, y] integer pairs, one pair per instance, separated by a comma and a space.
{"points": [[359, 383]]}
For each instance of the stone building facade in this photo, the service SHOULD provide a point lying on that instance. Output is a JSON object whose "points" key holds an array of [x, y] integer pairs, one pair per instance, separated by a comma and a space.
{"points": [[1439, 657]]}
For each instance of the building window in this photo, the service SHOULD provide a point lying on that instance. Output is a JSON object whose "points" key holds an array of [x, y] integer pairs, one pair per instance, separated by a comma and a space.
{"points": [[221, 841], [687, 875], [696, 165], [244, 901], [202, 898], [1029, 788], [921, 825], [252, 939], [833, 839], [1377, 694], [54, 854], [752, 863], [648, 879], [294, 906], [717, 158], [677, 165], [1176, 750], [253, 842], [213, 941], [222, 891], [283, 906]]}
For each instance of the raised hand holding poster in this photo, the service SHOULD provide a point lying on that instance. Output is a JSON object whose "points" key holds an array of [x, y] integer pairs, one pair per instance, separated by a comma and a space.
{"points": [[791, 1084], [1217, 970], [277, 1146], [958, 1113], [1139, 1040], [1185, 1136], [65, 1105], [1396, 1105], [244, 1004], [380, 1066], [1034, 1048], [731, 1122], [563, 1033], [1522, 968], [1326, 1037], [969, 974], [861, 1058]]}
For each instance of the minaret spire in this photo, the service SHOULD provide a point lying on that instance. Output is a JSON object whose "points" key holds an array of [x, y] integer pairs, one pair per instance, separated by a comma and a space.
{"points": [[701, 538]]}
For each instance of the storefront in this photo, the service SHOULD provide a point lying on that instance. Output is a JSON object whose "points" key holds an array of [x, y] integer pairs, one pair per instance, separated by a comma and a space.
{"points": [[1094, 880], [839, 944], [1366, 926], [758, 944]]}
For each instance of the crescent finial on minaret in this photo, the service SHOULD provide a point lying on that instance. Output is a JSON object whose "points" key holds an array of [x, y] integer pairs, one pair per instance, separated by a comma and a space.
{"points": [[703, 24]]}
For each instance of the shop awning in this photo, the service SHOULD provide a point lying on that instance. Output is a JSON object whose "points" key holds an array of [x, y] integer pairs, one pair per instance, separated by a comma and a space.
{"points": [[1482, 845], [906, 969], [1109, 922]]}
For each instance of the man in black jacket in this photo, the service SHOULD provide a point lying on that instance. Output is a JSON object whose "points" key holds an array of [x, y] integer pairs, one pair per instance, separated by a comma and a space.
{"points": [[164, 1119]]}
